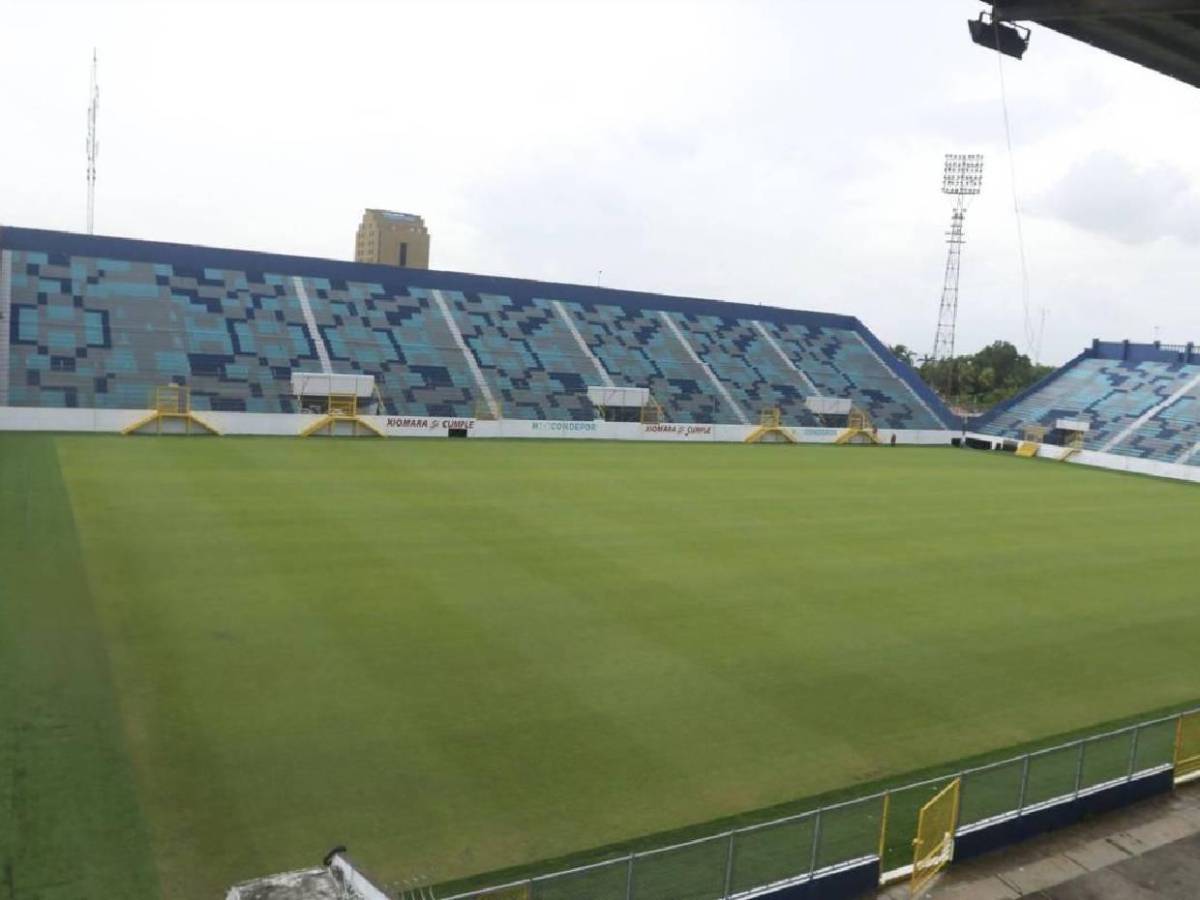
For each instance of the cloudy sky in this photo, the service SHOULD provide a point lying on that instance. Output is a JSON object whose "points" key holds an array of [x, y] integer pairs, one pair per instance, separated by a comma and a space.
{"points": [[778, 152]]}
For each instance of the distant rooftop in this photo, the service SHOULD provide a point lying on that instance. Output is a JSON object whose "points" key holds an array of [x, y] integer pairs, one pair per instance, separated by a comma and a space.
{"points": [[396, 216]]}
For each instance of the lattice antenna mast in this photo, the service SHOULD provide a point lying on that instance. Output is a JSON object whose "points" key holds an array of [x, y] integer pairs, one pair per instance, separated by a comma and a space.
{"points": [[962, 177], [93, 148]]}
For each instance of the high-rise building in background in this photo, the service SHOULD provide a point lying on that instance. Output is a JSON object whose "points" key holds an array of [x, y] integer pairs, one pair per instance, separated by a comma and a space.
{"points": [[392, 239]]}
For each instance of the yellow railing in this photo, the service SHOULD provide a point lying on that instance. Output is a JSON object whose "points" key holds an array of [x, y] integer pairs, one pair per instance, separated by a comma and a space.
{"points": [[652, 412], [1187, 747], [170, 403], [859, 429], [770, 428], [343, 405], [172, 400], [1035, 433]]}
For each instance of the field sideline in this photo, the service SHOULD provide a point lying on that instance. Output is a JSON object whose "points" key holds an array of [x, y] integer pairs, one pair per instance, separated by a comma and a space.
{"points": [[218, 658]]}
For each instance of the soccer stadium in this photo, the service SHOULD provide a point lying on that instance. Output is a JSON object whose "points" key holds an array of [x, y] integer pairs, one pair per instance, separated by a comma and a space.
{"points": [[533, 648], [409, 583]]}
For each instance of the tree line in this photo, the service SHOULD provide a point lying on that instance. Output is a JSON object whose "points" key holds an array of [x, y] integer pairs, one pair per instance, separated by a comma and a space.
{"points": [[977, 380]]}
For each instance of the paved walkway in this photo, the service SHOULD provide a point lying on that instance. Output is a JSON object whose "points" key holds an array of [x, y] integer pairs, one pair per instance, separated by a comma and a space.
{"points": [[1148, 850]]}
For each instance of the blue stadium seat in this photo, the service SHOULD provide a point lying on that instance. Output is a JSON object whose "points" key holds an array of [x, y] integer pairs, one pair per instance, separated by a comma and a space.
{"points": [[100, 322], [1141, 400]]}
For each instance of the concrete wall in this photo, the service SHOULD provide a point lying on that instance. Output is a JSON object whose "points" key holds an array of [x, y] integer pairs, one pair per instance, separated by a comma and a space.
{"points": [[1113, 461]]}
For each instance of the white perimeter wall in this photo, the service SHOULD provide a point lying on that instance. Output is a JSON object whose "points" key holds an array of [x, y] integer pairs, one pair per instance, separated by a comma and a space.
{"points": [[14, 418], [33, 418], [1114, 461]]}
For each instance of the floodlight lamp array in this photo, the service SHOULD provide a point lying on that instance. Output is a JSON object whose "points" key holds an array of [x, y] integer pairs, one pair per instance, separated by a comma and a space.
{"points": [[963, 174]]}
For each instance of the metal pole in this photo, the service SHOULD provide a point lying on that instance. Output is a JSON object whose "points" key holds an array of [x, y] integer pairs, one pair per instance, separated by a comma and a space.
{"points": [[729, 866], [1024, 784], [812, 863], [1079, 767], [629, 878], [1178, 743], [1133, 749], [887, 806]]}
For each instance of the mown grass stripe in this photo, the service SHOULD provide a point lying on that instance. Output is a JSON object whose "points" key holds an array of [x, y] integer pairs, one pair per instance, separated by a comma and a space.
{"points": [[70, 821]]}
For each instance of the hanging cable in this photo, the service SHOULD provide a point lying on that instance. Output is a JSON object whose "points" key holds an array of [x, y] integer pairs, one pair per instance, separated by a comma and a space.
{"points": [[1012, 171]]}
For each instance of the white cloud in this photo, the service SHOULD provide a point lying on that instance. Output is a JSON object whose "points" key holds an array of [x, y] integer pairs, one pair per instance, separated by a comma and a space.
{"points": [[1107, 194], [782, 152]]}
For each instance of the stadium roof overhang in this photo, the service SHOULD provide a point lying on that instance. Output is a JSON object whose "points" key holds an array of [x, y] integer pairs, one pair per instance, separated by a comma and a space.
{"points": [[1163, 35]]}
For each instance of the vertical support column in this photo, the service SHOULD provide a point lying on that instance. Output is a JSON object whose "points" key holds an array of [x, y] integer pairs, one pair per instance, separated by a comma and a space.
{"points": [[1178, 753], [1024, 784], [1079, 766], [629, 878], [5, 320], [1133, 749], [812, 862], [883, 827], [729, 866]]}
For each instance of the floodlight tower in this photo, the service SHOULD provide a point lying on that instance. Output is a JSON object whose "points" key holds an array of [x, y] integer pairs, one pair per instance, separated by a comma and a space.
{"points": [[93, 148], [962, 177]]}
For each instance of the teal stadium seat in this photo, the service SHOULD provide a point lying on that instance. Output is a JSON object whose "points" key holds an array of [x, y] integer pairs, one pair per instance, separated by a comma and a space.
{"points": [[1141, 400], [100, 322]]}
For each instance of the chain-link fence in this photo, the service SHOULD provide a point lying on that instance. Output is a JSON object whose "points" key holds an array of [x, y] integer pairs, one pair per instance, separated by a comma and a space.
{"points": [[878, 828]]}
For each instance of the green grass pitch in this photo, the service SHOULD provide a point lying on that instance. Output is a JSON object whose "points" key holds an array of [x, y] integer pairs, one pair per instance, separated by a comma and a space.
{"points": [[220, 657]]}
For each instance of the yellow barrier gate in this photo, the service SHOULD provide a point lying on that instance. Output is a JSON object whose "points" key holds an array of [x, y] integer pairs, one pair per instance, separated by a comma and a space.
{"points": [[933, 847], [1187, 747]]}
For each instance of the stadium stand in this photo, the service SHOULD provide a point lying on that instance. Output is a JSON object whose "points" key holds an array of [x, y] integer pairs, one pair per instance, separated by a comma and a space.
{"points": [[1140, 400], [101, 322]]}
